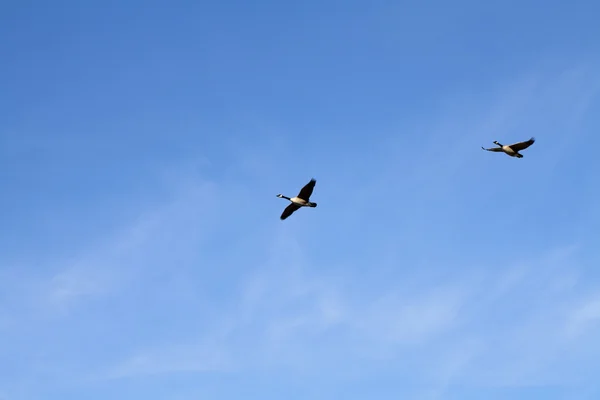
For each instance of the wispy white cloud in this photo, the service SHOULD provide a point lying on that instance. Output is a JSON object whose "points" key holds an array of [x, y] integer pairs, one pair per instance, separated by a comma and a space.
{"points": [[399, 317], [503, 328], [519, 323], [174, 358], [51, 313], [288, 324], [584, 317]]}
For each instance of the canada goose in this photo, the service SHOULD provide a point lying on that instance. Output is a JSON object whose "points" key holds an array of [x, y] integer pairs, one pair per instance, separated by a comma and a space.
{"points": [[302, 200], [512, 149]]}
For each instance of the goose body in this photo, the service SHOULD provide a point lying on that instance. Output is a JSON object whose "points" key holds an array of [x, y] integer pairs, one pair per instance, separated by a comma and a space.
{"points": [[511, 149], [297, 202]]}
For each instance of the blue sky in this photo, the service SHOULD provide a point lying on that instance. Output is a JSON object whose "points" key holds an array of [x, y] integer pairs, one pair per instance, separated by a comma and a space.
{"points": [[141, 148]]}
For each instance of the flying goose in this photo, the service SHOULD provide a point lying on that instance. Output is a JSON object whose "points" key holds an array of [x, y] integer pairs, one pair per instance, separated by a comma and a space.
{"points": [[512, 149], [302, 200]]}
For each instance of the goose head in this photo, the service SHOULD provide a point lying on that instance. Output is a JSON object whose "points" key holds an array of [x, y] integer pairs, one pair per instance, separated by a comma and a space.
{"points": [[280, 195], [496, 142]]}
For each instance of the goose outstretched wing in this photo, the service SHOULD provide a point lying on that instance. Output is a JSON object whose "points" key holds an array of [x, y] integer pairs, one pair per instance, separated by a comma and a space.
{"points": [[522, 145], [307, 190], [289, 210], [495, 149]]}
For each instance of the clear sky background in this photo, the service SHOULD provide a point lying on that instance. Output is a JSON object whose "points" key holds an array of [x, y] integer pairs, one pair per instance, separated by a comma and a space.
{"points": [[142, 144]]}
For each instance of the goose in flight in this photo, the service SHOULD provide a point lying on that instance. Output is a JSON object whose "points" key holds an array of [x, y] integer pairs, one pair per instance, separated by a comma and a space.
{"points": [[512, 149], [302, 200]]}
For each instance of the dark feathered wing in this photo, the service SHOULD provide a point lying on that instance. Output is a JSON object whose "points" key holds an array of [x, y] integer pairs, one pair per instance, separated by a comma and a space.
{"points": [[496, 149], [307, 190], [289, 210], [522, 145]]}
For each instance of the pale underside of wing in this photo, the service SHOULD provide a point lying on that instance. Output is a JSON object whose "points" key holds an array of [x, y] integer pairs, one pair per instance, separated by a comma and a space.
{"points": [[522, 145], [307, 190], [289, 210]]}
